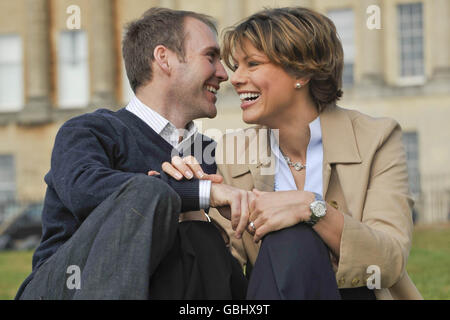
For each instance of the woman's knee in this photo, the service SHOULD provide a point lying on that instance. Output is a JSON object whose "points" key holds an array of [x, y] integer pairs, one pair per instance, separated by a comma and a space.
{"points": [[300, 239]]}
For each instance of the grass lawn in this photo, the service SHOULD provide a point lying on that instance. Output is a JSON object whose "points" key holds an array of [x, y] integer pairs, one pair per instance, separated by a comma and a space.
{"points": [[15, 266], [429, 261], [428, 265]]}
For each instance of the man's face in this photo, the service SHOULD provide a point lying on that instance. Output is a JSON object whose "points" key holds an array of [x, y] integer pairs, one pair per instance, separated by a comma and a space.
{"points": [[197, 79]]}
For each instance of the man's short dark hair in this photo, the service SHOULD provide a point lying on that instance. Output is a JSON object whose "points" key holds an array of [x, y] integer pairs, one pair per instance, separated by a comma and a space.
{"points": [[157, 26]]}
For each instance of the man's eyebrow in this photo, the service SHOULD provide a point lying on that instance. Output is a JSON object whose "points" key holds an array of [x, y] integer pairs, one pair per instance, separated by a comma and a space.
{"points": [[212, 49]]}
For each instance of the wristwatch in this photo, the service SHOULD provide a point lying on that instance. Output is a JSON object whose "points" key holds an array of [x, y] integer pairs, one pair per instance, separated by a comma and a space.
{"points": [[318, 209]]}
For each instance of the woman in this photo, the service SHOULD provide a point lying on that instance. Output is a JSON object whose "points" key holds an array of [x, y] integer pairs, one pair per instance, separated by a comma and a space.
{"points": [[287, 65]]}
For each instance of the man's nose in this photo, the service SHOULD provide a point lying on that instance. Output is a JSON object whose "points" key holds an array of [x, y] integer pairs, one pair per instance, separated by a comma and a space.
{"points": [[221, 73]]}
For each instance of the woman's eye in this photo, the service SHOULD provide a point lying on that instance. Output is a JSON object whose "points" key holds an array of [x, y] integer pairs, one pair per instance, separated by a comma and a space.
{"points": [[252, 63]]}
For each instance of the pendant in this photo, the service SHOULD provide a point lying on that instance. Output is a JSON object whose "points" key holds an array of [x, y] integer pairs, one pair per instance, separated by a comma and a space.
{"points": [[298, 166]]}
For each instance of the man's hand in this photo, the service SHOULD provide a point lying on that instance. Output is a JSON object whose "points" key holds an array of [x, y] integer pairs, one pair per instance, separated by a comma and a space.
{"points": [[233, 204]]}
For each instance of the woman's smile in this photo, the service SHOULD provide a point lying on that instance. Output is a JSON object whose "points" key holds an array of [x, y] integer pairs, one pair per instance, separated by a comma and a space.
{"points": [[248, 99]]}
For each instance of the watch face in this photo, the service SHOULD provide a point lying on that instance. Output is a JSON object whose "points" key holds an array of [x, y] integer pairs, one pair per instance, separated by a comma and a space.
{"points": [[319, 208]]}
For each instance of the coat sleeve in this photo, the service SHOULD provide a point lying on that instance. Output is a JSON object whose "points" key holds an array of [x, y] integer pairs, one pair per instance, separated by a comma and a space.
{"points": [[235, 245], [82, 167], [383, 237]]}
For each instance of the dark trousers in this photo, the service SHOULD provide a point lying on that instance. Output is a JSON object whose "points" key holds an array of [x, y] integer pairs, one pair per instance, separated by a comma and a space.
{"points": [[122, 245], [293, 263]]}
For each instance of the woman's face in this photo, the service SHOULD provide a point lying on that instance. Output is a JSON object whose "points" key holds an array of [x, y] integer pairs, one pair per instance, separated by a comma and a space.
{"points": [[267, 92]]}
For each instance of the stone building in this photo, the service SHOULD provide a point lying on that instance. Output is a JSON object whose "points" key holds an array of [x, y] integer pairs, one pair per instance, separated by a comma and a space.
{"points": [[61, 58]]}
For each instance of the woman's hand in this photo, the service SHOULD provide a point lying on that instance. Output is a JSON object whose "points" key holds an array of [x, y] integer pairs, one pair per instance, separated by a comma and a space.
{"points": [[188, 167], [272, 211]]}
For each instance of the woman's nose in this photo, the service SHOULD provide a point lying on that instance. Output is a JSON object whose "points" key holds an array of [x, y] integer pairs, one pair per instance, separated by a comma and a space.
{"points": [[237, 78]]}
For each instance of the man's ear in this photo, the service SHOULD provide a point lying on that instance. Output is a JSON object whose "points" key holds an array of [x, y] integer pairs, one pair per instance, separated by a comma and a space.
{"points": [[161, 55]]}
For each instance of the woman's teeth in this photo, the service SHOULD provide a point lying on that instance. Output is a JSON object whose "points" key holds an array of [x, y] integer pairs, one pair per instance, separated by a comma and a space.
{"points": [[249, 96]]}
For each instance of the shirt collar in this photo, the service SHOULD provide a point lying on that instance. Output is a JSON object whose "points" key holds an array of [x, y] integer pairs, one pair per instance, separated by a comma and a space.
{"points": [[161, 125]]}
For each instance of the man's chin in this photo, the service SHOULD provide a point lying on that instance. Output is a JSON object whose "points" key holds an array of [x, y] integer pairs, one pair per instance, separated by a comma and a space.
{"points": [[211, 113]]}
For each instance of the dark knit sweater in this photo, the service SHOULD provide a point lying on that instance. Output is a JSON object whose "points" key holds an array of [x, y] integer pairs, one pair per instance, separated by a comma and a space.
{"points": [[93, 155]]}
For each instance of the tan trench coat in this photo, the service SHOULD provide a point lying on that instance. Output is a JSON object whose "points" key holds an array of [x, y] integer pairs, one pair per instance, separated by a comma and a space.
{"points": [[364, 177]]}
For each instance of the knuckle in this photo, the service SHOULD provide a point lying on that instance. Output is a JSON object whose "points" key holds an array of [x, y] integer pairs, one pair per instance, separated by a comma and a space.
{"points": [[189, 159], [176, 160], [258, 205], [165, 165]]}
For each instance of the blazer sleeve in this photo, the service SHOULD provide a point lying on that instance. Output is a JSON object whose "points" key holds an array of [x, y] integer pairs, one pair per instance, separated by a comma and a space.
{"points": [[383, 236]]}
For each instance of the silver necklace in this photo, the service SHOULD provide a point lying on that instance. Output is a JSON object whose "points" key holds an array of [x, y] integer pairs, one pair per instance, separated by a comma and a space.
{"points": [[298, 166]]}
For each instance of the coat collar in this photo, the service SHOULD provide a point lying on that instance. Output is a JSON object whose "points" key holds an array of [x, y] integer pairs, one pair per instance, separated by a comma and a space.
{"points": [[338, 137], [262, 164], [338, 141]]}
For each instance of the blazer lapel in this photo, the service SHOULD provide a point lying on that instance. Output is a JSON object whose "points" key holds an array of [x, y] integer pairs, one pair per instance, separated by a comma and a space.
{"points": [[338, 140], [263, 170]]}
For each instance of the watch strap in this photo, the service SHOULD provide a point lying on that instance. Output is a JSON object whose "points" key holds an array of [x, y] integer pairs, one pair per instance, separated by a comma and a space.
{"points": [[313, 219]]}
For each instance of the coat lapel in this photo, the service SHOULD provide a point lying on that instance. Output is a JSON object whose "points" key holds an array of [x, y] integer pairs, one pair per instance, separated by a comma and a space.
{"points": [[338, 140], [253, 156], [263, 171]]}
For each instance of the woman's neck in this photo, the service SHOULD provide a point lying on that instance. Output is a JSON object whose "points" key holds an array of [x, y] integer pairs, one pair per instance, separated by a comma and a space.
{"points": [[294, 131]]}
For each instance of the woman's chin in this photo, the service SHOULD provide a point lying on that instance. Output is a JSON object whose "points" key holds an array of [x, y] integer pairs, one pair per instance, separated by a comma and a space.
{"points": [[250, 118]]}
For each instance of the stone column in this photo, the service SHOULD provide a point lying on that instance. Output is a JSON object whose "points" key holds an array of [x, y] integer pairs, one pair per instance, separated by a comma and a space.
{"points": [[441, 41], [234, 11], [371, 62], [303, 3], [171, 4], [103, 53], [37, 68]]}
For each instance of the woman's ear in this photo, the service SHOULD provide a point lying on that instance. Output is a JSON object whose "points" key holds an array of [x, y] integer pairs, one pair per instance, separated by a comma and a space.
{"points": [[301, 81], [161, 55]]}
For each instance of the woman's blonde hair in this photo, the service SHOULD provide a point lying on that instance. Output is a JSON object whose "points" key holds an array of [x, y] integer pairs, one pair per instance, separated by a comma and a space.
{"points": [[303, 42]]}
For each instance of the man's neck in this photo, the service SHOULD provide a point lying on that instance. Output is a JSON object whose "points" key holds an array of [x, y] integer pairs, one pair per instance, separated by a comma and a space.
{"points": [[152, 98]]}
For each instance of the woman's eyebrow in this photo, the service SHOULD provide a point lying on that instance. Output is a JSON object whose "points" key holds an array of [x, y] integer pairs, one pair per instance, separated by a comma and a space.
{"points": [[252, 56]]}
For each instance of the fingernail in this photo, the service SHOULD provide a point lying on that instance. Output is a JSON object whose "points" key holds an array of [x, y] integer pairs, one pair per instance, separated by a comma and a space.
{"points": [[178, 175], [200, 174], [188, 174]]}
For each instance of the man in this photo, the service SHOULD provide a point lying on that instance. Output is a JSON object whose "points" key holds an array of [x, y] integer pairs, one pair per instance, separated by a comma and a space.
{"points": [[110, 231]]}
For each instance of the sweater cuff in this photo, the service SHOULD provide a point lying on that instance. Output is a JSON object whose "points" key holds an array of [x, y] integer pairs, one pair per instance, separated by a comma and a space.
{"points": [[188, 192]]}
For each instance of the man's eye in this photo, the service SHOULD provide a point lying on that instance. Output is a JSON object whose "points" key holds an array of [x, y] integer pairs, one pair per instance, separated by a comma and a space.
{"points": [[234, 67], [211, 56]]}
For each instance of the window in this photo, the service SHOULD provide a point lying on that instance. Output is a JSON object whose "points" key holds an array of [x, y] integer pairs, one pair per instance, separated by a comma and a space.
{"points": [[11, 73], [73, 70], [410, 142], [7, 179], [344, 20], [410, 32]]}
